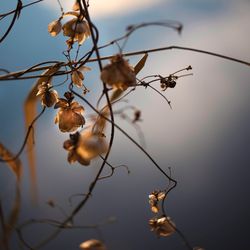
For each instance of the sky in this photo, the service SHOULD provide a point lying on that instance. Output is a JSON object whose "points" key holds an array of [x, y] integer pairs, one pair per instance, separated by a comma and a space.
{"points": [[204, 138]]}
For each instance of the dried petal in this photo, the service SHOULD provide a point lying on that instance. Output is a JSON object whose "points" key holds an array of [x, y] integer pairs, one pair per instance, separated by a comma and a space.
{"points": [[91, 145], [55, 28], [92, 244], [77, 78], [49, 98], [155, 209], [162, 226], [69, 120], [76, 6], [62, 103], [77, 30], [161, 196], [118, 73], [76, 107]]}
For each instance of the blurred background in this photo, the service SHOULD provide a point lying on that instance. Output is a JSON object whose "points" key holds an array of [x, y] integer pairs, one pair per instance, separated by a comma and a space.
{"points": [[204, 138]]}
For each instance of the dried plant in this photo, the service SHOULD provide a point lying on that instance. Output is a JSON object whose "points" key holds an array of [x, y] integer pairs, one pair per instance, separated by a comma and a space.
{"points": [[91, 135]]}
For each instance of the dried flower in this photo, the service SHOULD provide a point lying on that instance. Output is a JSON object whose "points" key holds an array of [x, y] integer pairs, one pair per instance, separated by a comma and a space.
{"points": [[48, 96], [55, 27], [69, 117], [76, 6], [92, 244], [154, 198], [118, 74], [91, 145], [77, 29], [71, 145], [78, 77], [85, 146], [162, 226]]}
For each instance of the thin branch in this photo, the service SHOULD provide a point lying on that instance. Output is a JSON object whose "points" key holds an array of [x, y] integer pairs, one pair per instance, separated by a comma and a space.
{"points": [[134, 53]]}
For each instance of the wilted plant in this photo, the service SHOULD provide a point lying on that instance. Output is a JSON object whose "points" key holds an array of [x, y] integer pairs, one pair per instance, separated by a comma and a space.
{"points": [[90, 139]]}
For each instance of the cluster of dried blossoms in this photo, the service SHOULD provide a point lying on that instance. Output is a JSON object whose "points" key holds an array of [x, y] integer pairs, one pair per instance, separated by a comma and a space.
{"points": [[85, 145], [77, 28], [161, 225]]}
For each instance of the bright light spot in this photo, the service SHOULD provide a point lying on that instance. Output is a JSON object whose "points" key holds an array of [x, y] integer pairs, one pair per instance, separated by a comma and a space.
{"points": [[100, 8]]}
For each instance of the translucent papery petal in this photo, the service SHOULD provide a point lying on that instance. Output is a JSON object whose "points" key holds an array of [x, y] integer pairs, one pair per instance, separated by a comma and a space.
{"points": [[76, 107], [76, 6], [162, 226], [80, 38], [49, 98], [84, 68], [83, 161], [92, 244], [62, 103], [80, 27], [77, 78], [67, 28], [79, 30], [68, 145], [91, 145], [55, 28], [154, 209], [72, 157], [40, 91], [56, 118], [71, 13], [118, 74], [165, 228], [161, 195], [69, 121]]}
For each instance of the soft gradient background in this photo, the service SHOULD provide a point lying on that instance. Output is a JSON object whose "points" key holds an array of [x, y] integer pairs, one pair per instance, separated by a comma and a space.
{"points": [[205, 138]]}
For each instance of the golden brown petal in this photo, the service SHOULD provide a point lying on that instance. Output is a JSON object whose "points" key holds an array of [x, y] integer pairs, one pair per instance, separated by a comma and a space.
{"points": [[55, 28], [154, 209], [76, 6], [62, 103], [91, 145], [72, 156], [77, 78], [49, 98], [92, 244], [69, 120], [68, 145], [118, 74], [162, 226], [76, 107]]}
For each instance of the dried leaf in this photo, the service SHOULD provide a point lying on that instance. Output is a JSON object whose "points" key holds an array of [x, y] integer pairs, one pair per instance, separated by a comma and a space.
{"points": [[30, 112], [9, 226], [139, 66], [116, 94], [14, 214], [15, 165]]}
